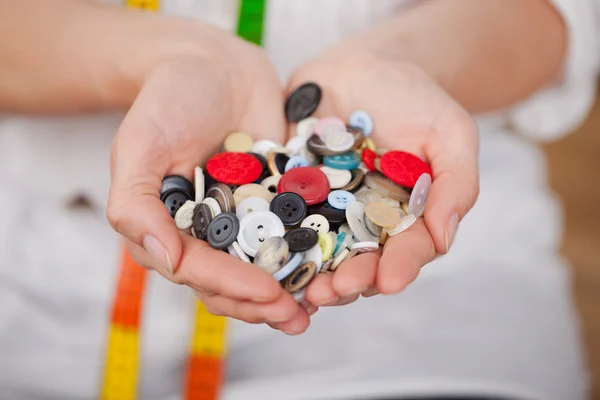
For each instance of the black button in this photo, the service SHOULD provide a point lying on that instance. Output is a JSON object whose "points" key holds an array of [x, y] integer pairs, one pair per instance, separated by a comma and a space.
{"points": [[176, 182], [259, 157], [280, 162], [303, 102], [334, 216], [223, 230], [202, 219], [289, 207], [301, 239], [174, 200]]}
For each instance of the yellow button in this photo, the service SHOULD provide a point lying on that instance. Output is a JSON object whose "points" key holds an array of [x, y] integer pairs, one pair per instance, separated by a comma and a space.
{"points": [[382, 214], [326, 243], [238, 142]]}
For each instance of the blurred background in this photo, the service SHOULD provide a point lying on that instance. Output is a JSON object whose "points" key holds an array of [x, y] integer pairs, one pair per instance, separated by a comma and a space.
{"points": [[574, 167]]}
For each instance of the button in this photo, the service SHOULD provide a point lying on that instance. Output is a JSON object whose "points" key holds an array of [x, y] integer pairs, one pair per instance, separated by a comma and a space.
{"points": [[296, 144], [264, 147], [346, 244], [365, 247], [234, 168], [385, 187], [199, 184], [306, 127], [301, 239], [357, 176], [382, 214], [203, 216], [374, 229], [377, 164], [294, 262], [333, 239], [340, 199], [295, 162], [276, 163], [184, 218], [317, 146], [238, 142], [223, 230], [326, 243], [235, 250], [329, 125], [223, 195], [405, 223], [261, 159], [289, 207], [272, 254], [338, 260], [252, 190], [249, 205], [361, 120], [345, 228], [303, 102], [368, 157], [271, 183], [404, 207], [337, 177], [358, 135], [339, 240], [174, 200], [370, 144], [300, 278], [367, 196], [317, 222], [309, 182], [176, 183], [335, 216], [339, 142], [355, 214], [349, 160], [213, 205], [256, 227], [403, 168], [419, 195]]}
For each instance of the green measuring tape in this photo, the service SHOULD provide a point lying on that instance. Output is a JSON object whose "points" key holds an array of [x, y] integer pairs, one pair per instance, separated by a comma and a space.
{"points": [[251, 20]]}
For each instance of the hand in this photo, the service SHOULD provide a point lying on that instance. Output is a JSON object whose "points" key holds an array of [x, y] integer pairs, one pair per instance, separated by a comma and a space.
{"points": [[187, 105], [410, 113]]}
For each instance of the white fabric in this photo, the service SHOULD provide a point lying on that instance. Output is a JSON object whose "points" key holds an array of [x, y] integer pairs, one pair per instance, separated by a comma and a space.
{"points": [[493, 317]]}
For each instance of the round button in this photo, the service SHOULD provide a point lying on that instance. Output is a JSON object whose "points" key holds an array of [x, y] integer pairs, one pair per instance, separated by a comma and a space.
{"points": [[234, 168], [326, 244], [272, 254], [329, 125], [338, 260], [375, 230], [252, 190], [337, 177], [357, 179], [264, 147], [316, 146], [302, 239], [355, 214], [365, 247], [277, 162], [300, 278], [339, 240], [358, 135], [303, 102], [349, 160], [382, 214], [317, 222], [250, 205], [223, 195], [235, 250], [385, 187], [184, 218], [202, 218], [405, 223], [340, 199], [257, 227], [271, 183], [174, 200], [289, 207], [296, 144], [213, 205], [295, 162], [290, 266], [335, 216], [199, 184], [361, 120], [419, 195], [306, 127], [176, 183], [238, 142], [309, 182], [403, 168], [223, 230], [339, 141], [370, 144], [261, 159], [368, 157]]}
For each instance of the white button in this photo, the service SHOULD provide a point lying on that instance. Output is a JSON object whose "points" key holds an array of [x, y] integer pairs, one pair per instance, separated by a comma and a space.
{"points": [[316, 222], [251, 190], [249, 205], [256, 227], [355, 215], [338, 260], [404, 224], [367, 196], [345, 228], [199, 184], [365, 247], [296, 144], [235, 250], [213, 204], [337, 177], [339, 141], [306, 127], [184, 218], [264, 147], [271, 183], [419, 195]]}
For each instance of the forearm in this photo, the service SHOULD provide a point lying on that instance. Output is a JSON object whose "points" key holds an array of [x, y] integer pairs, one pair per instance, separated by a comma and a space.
{"points": [[74, 55], [487, 54]]}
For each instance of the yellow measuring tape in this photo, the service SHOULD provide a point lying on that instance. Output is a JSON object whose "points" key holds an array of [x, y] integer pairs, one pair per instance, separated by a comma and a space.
{"points": [[208, 347]]}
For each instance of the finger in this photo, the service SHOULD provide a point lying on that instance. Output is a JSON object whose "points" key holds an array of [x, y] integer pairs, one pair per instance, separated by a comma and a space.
{"points": [[343, 301], [296, 325], [283, 310], [371, 291], [320, 292], [403, 256], [354, 276]]}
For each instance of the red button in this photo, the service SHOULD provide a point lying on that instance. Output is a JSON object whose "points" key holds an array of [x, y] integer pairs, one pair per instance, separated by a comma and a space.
{"points": [[403, 168], [234, 168], [368, 157], [308, 182]]}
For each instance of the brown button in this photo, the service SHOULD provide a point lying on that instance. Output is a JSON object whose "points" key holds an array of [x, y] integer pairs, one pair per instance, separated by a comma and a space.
{"points": [[276, 163], [382, 214], [316, 146], [300, 278], [385, 187], [251, 190], [238, 142], [358, 176], [358, 135], [222, 193]]}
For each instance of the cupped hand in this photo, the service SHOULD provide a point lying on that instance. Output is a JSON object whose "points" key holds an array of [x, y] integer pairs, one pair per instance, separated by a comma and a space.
{"points": [[410, 113], [186, 107]]}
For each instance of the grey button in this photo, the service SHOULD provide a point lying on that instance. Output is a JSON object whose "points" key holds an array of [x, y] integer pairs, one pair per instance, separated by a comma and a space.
{"points": [[201, 221], [223, 230]]}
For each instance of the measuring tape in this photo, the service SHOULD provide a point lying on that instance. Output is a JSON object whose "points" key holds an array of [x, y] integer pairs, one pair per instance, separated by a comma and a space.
{"points": [[205, 365]]}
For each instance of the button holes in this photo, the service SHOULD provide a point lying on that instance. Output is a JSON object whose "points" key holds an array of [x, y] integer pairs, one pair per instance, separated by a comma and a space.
{"points": [[261, 239], [289, 214], [287, 204], [272, 189], [312, 224], [294, 209], [226, 227], [319, 225], [303, 186], [260, 227], [249, 210], [172, 208], [218, 231]]}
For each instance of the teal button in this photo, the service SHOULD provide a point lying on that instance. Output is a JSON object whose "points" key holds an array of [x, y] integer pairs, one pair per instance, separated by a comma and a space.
{"points": [[349, 160]]}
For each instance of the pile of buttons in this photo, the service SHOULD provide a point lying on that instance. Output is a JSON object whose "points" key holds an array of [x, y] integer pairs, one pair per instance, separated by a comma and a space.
{"points": [[301, 209]]}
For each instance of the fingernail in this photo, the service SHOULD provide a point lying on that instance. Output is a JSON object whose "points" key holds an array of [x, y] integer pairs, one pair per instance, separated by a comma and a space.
{"points": [[370, 292], [451, 230], [290, 333], [328, 302], [158, 253]]}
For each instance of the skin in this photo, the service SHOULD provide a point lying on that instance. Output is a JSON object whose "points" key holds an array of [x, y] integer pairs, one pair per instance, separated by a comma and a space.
{"points": [[419, 81]]}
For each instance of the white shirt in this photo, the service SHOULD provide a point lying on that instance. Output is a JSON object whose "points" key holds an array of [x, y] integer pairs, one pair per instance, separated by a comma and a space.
{"points": [[494, 317]]}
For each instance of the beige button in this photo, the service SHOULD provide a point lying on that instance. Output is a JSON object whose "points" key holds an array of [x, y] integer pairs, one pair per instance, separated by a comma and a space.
{"points": [[300, 278], [251, 190], [338, 260], [385, 187], [238, 142], [404, 206], [377, 164], [223, 195], [382, 214], [272, 254], [405, 223], [270, 183]]}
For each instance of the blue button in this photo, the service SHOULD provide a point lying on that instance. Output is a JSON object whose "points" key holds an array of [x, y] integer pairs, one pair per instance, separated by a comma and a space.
{"points": [[340, 199], [349, 160], [340, 239], [295, 162], [361, 120]]}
